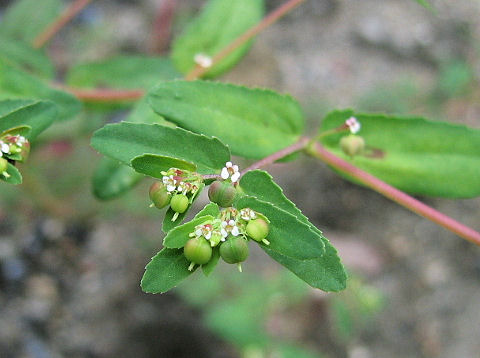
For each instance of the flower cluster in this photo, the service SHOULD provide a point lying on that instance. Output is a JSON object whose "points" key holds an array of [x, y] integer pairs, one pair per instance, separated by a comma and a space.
{"points": [[179, 181], [13, 147], [229, 232], [231, 222]]}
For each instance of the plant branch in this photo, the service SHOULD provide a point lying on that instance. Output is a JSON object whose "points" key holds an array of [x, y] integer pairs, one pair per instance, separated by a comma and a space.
{"points": [[318, 151], [198, 71], [162, 26], [104, 95], [301, 144], [68, 14]]}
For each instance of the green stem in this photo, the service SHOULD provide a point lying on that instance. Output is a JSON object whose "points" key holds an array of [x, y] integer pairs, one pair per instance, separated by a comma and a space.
{"points": [[318, 151]]}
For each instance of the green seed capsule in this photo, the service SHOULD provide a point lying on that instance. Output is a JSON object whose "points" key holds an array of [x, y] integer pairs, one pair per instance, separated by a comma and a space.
{"points": [[159, 195], [222, 193], [198, 251], [179, 203], [3, 165], [257, 229], [352, 145], [234, 250]]}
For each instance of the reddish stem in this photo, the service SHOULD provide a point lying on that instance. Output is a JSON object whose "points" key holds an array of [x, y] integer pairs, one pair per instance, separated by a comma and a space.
{"points": [[162, 26], [105, 95], [318, 151], [301, 144], [68, 14], [198, 71]]}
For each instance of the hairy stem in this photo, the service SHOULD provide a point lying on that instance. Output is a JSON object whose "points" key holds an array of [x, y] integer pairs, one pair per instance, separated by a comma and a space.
{"points": [[301, 144], [60, 22], [198, 71], [318, 151]]}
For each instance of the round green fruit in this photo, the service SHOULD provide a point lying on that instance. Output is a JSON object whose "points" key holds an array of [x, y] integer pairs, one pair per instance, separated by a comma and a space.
{"points": [[179, 203], [222, 193], [159, 195], [352, 145], [234, 250], [198, 251], [257, 229]]}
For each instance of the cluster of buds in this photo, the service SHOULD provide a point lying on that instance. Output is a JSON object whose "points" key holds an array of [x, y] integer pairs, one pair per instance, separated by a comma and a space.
{"points": [[177, 188], [13, 147], [231, 231]]}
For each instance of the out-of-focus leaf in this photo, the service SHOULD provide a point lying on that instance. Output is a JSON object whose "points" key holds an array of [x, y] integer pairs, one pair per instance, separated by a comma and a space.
{"points": [[112, 179], [26, 57], [219, 23], [15, 83], [166, 270], [122, 72], [413, 154], [25, 19], [253, 122]]}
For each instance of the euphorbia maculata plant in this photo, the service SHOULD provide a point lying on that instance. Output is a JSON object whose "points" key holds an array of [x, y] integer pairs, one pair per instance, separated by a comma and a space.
{"points": [[183, 130]]}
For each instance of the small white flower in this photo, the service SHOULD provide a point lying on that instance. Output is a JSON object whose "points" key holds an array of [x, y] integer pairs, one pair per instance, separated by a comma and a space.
{"points": [[4, 147], [235, 231], [203, 60], [169, 182], [224, 234], [247, 214], [230, 171], [353, 124]]}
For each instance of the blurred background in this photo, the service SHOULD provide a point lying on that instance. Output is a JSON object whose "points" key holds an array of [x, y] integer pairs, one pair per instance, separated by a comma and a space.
{"points": [[70, 266]]}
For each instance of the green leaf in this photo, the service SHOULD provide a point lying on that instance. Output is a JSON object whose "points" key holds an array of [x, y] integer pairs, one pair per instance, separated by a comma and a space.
{"points": [[209, 209], [288, 236], [25, 19], [260, 184], [219, 23], [125, 141], [14, 177], [413, 154], [168, 224], [124, 71], [178, 237], [15, 83], [38, 115], [325, 273], [19, 130], [166, 270], [154, 164], [210, 265], [112, 179], [253, 122], [25, 57]]}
